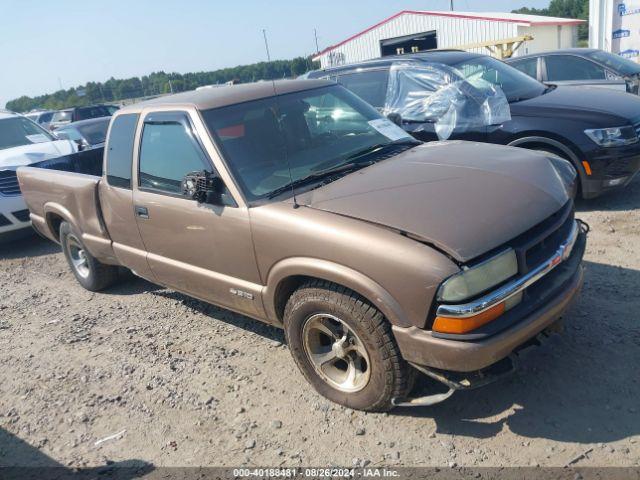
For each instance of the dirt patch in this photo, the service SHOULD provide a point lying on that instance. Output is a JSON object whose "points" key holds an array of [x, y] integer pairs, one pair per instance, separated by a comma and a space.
{"points": [[141, 373]]}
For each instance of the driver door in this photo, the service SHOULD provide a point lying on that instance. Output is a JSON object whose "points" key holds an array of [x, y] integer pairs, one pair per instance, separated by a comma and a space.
{"points": [[203, 250]]}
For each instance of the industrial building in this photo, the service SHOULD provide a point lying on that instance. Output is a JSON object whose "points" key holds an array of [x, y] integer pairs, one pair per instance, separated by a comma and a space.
{"points": [[614, 26], [415, 31]]}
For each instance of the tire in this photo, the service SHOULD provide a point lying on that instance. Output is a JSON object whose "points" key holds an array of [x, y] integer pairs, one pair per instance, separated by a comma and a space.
{"points": [[89, 272], [318, 309]]}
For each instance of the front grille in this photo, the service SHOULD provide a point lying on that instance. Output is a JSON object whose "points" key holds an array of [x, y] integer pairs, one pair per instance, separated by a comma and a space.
{"points": [[548, 246], [636, 126], [542, 241], [9, 183], [4, 221], [22, 215]]}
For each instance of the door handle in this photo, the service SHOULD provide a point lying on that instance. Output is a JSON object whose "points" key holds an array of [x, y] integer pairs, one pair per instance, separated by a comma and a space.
{"points": [[142, 212]]}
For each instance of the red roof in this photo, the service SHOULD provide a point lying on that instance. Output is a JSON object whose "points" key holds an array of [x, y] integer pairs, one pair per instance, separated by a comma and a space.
{"points": [[529, 20]]}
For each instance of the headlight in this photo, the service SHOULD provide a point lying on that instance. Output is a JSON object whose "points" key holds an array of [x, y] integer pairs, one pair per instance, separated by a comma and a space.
{"points": [[477, 279], [613, 137]]}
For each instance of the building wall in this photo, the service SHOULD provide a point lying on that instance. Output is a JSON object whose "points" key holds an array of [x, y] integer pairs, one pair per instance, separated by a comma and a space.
{"points": [[451, 32], [600, 24], [548, 37]]}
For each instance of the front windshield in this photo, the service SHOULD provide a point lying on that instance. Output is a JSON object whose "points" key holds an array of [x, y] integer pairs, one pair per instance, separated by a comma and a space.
{"points": [[515, 84], [269, 143], [616, 62], [20, 131]]}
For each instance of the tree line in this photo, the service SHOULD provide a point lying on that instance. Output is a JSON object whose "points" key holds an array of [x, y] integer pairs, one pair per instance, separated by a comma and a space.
{"points": [[578, 9], [158, 83]]}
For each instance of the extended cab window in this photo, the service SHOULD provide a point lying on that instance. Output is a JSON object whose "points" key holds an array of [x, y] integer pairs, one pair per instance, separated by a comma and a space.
{"points": [[569, 67], [370, 86], [168, 152], [120, 150]]}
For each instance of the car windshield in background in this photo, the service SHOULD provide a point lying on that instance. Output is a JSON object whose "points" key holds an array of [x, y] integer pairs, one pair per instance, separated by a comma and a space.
{"points": [[270, 143], [85, 113], [516, 85], [63, 116], [616, 62], [18, 131], [95, 132]]}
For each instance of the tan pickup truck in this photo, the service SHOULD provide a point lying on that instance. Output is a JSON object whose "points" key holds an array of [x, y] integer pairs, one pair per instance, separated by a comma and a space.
{"points": [[297, 204]]}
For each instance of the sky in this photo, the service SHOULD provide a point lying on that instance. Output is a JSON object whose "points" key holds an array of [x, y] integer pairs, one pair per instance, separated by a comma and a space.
{"points": [[45, 45]]}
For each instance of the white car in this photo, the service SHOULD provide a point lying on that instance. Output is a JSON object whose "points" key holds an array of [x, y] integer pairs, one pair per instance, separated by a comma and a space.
{"points": [[22, 142]]}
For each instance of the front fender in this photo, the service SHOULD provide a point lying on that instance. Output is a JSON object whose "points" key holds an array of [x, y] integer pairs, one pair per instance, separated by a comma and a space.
{"points": [[332, 272]]}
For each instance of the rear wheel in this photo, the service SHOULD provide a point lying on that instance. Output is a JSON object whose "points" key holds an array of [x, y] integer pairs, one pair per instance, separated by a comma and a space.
{"points": [[344, 347], [89, 272]]}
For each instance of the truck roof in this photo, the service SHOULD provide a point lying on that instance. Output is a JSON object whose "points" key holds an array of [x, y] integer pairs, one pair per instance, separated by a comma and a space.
{"points": [[208, 98]]}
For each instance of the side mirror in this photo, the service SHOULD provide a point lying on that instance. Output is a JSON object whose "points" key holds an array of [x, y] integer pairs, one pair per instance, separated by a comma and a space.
{"points": [[82, 144], [203, 187], [395, 118]]}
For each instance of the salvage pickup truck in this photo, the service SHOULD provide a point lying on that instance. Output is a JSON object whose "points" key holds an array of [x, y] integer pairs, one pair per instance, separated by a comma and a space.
{"points": [[298, 204]]}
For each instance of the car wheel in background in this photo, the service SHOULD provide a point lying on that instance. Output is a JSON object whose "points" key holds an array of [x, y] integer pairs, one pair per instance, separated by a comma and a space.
{"points": [[344, 347], [89, 272]]}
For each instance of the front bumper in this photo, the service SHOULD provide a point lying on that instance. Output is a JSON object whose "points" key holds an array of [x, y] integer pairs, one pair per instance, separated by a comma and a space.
{"points": [[611, 168], [422, 347], [14, 217]]}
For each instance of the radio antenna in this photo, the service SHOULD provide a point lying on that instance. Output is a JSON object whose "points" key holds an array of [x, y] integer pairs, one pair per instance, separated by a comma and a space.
{"points": [[275, 98], [266, 44]]}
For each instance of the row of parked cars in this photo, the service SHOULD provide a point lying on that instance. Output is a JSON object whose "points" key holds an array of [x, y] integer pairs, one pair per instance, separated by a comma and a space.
{"points": [[54, 119], [39, 137], [322, 205]]}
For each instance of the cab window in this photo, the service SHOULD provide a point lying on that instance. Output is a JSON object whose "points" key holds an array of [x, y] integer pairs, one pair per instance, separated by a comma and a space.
{"points": [[569, 67], [119, 154], [168, 151]]}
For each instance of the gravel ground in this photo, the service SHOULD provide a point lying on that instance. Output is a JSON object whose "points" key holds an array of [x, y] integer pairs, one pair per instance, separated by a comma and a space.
{"points": [[140, 373]]}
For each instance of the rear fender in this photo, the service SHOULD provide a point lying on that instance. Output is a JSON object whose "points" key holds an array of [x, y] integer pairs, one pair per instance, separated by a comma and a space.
{"points": [[97, 243]]}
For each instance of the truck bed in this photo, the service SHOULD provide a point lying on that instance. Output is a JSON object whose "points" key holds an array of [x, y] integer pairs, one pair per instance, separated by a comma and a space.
{"points": [[66, 189]]}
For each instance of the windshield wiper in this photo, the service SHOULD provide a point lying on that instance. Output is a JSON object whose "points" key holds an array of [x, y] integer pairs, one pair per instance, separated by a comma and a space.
{"points": [[380, 146], [322, 174]]}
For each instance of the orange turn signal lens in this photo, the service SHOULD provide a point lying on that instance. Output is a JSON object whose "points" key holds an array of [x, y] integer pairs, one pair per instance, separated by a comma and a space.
{"points": [[464, 325], [587, 167]]}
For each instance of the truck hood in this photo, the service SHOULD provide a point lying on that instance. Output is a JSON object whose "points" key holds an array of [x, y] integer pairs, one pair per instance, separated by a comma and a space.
{"points": [[36, 152], [464, 198], [603, 104]]}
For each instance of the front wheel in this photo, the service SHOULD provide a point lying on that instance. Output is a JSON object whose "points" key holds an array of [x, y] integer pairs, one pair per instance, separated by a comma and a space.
{"points": [[344, 347], [89, 272]]}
